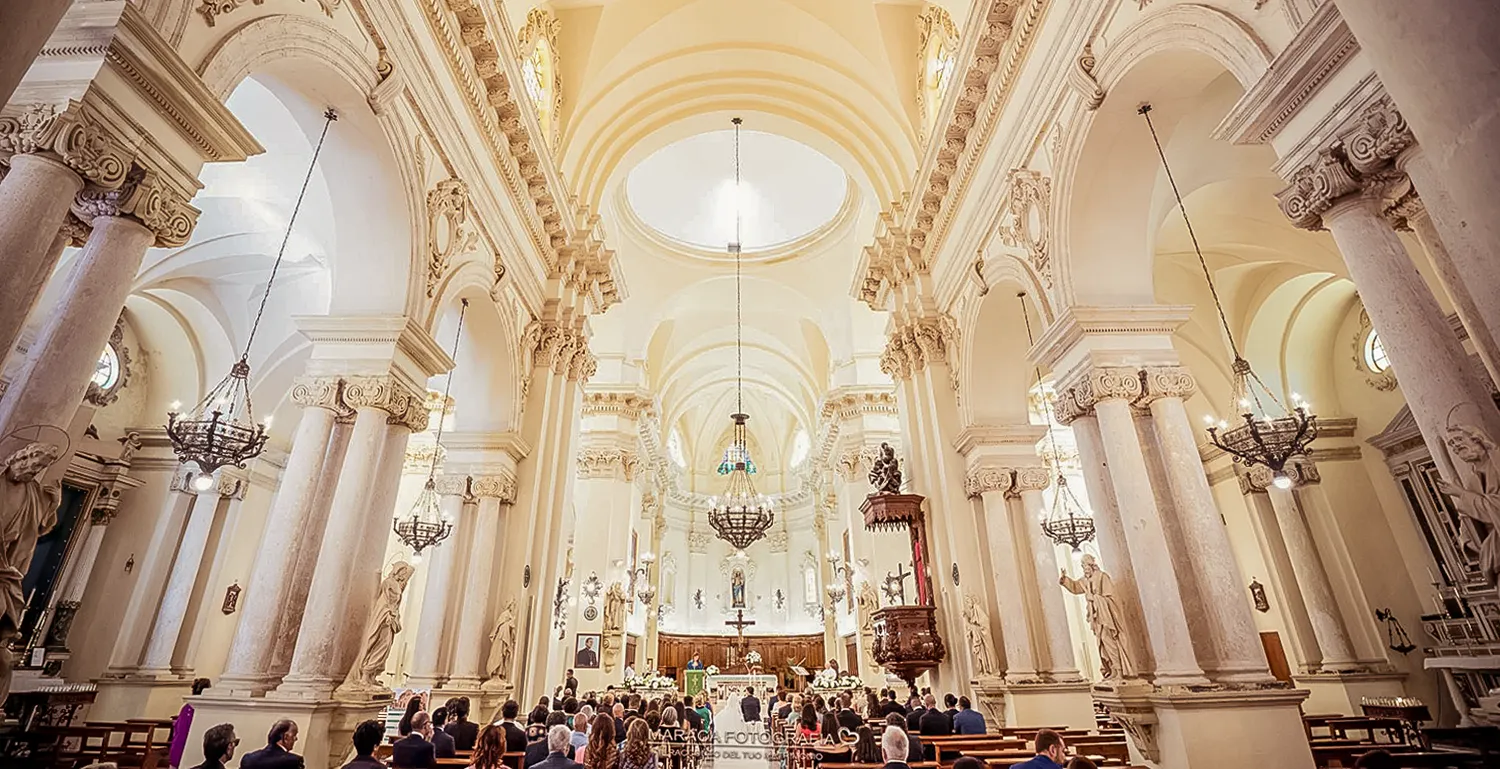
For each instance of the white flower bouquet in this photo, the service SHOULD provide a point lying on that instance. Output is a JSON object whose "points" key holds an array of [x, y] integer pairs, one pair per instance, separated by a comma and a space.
{"points": [[650, 681], [713, 670], [752, 658]]}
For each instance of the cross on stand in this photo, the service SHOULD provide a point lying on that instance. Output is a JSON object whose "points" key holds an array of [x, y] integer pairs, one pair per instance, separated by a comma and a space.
{"points": [[739, 623], [895, 585]]}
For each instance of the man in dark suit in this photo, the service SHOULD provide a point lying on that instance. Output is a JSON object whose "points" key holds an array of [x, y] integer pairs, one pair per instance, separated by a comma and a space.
{"points": [[784, 711], [891, 705], [557, 741], [277, 754], [218, 746], [913, 744], [690, 717], [415, 750], [849, 721], [934, 723], [750, 707], [515, 736], [367, 735], [587, 657], [1050, 752], [895, 748], [570, 684], [463, 731], [914, 717], [538, 751], [442, 744], [618, 712]]}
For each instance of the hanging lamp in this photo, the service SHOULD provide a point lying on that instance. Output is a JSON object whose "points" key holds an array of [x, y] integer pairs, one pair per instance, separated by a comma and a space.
{"points": [[221, 429], [1066, 523], [427, 524], [741, 516], [1268, 433]]}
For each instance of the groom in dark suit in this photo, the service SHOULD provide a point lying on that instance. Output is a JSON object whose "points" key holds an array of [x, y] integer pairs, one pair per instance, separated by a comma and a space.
{"points": [[750, 707]]}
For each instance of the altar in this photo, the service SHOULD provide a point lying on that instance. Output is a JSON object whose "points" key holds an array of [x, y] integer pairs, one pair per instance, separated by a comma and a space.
{"points": [[737, 682]]}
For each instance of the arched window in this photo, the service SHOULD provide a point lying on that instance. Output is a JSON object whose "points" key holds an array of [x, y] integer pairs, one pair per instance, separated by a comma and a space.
{"points": [[1370, 356], [801, 447], [1375, 358], [112, 371], [539, 73], [674, 448], [937, 40], [107, 371]]}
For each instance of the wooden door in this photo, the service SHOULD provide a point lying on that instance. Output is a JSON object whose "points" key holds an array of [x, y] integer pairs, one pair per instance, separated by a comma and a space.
{"points": [[1276, 656]]}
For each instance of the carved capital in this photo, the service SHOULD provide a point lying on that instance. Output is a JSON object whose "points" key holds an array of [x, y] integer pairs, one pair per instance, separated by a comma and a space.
{"points": [[416, 416], [145, 197], [778, 541], [915, 344], [603, 462], [1032, 478], [501, 487], [379, 392], [324, 392], [698, 541], [1382, 135], [70, 133], [1258, 478], [855, 463], [1166, 382], [1316, 187], [582, 365], [989, 478]]}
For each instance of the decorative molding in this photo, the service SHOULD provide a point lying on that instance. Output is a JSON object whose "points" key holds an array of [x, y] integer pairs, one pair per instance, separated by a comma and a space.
{"points": [[543, 25], [1032, 478], [71, 133], [1026, 211], [501, 487], [915, 344], [1166, 382], [145, 197], [386, 393], [986, 479], [102, 397], [449, 232], [1081, 78], [452, 486], [932, 21], [778, 541], [325, 392], [604, 462], [627, 405]]}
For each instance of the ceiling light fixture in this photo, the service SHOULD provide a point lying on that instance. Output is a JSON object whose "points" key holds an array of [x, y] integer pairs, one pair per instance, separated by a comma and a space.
{"points": [[427, 524], [1066, 523], [741, 516], [1269, 434], [221, 429]]}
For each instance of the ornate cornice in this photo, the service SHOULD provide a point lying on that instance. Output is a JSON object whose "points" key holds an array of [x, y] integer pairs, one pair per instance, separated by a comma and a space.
{"points": [[627, 405], [844, 405]]}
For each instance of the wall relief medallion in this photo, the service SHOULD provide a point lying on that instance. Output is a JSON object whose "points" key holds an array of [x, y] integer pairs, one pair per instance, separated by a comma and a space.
{"points": [[449, 231], [1027, 209]]}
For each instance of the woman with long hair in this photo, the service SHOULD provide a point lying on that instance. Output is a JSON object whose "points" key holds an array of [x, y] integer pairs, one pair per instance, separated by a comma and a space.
{"points": [[601, 752], [830, 729], [413, 706], [807, 725], [872, 704], [867, 748], [489, 748], [637, 753]]}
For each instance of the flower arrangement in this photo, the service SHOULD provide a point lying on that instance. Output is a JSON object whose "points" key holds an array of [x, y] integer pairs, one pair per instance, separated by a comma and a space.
{"points": [[713, 670], [650, 681], [752, 658], [827, 679]]}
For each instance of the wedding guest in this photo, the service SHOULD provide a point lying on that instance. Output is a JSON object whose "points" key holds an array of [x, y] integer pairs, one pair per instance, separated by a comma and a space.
{"points": [[442, 744], [968, 720], [1050, 752], [463, 731], [866, 747], [367, 735], [895, 748], [219, 743], [537, 751], [637, 753], [489, 748], [557, 742], [415, 750], [403, 727], [277, 754], [581, 722], [515, 736], [601, 752], [913, 744]]}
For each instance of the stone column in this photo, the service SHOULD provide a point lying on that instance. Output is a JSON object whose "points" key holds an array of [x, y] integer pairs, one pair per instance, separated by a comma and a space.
{"points": [[313, 673], [1053, 622], [495, 495], [831, 650], [247, 668], [155, 564], [1239, 656], [1327, 622], [991, 483], [1432, 58], [1435, 375], [37, 190], [51, 384], [175, 600], [1110, 392], [426, 671]]}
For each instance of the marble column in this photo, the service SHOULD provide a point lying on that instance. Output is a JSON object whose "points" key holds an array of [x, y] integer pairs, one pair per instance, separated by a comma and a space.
{"points": [[495, 494], [1053, 620], [1110, 392], [1335, 650], [247, 668], [1238, 654], [991, 483], [1435, 60], [313, 673], [427, 655], [51, 383], [154, 566], [34, 193], [172, 610], [1436, 378]]}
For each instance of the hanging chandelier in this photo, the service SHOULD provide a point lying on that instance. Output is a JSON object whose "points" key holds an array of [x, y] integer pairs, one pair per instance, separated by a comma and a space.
{"points": [[1267, 432], [1066, 523], [427, 524], [740, 516], [221, 429]]}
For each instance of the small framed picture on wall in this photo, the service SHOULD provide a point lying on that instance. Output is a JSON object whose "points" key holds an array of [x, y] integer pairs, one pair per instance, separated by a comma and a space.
{"points": [[586, 653]]}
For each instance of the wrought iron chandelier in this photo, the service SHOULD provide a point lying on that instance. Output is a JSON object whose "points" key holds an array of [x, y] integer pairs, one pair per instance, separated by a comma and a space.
{"points": [[740, 516], [1268, 433], [221, 429], [427, 524], [1066, 523]]}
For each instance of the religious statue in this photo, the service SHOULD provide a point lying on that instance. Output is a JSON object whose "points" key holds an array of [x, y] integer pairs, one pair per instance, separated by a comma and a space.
{"points": [[737, 589], [27, 511], [1479, 497], [615, 602], [129, 445], [380, 630], [868, 604], [502, 643], [1106, 617], [885, 473], [977, 628]]}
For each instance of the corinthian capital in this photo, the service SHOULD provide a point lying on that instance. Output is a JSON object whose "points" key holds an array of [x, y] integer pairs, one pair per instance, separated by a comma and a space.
{"points": [[989, 478], [1382, 135], [1316, 187], [604, 462], [416, 416], [1166, 382], [379, 392], [318, 391], [70, 133], [501, 487], [146, 197], [582, 365], [1258, 478], [855, 462]]}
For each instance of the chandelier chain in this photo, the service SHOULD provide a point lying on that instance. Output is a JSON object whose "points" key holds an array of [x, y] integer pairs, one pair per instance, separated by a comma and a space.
{"points": [[448, 387], [329, 115], [739, 352], [1031, 340]]}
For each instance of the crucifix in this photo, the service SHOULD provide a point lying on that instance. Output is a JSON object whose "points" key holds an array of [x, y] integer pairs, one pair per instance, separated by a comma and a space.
{"points": [[739, 623], [895, 585]]}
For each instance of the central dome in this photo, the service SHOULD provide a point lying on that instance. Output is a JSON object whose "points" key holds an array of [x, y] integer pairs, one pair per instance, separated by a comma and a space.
{"points": [[685, 191]]}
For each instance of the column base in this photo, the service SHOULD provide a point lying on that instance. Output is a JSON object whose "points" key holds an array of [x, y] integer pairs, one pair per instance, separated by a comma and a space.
{"points": [[294, 687], [1221, 726], [140, 694], [245, 686], [1050, 704], [324, 726], [422, 682], [1342, 692]]}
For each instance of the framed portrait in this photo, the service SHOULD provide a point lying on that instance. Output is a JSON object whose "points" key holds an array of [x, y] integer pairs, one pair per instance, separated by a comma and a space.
{"points": [[586, 651]]}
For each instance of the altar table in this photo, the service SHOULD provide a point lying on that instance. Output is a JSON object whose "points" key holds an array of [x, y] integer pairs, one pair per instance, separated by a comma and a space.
{"points": [[763, 683]]}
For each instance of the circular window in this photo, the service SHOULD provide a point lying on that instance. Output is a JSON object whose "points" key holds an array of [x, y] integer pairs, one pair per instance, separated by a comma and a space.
{"points": [[1374, 351], [107, 371]]}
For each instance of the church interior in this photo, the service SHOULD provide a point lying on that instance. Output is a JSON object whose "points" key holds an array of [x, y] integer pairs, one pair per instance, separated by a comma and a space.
{"points": [[1128, 368]]}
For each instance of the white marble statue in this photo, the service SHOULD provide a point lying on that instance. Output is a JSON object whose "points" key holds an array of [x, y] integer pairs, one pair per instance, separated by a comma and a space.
{"points": [[1106, 618], [615, 603], [380, 630], [868, 603], [502, 643], [977, 628], [27, 511], [1479, 495]]}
